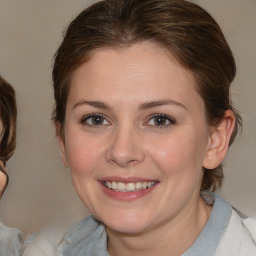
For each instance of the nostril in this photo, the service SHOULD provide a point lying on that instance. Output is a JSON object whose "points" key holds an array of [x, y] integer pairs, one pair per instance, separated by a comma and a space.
{"points": [[126, 160], [123, 162], [125, 149]]}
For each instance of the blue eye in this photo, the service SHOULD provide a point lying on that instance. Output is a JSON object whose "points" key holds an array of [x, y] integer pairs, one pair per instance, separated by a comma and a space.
{"points": [[95, 120], [161, 120]]}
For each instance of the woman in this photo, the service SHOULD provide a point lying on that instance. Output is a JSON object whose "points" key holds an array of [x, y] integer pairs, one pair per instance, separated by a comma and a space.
{"points": [[144, 120], [8, 115], [10, 238]]}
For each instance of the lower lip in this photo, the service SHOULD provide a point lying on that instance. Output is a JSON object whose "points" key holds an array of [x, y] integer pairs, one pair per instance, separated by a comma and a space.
{"points": [[126, 196]]}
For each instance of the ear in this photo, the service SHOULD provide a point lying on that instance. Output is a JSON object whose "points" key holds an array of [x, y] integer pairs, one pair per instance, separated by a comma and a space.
{"points": [[62, 145], [219, 141]]}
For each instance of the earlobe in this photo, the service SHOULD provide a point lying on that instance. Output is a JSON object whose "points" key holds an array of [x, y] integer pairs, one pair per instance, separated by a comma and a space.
{"points": [[219, 141], [61, 140]]}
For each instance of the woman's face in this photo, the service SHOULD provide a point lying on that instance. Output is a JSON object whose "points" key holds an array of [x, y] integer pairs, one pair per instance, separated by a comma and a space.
{"points": [[2, 175], [136, 137], [1, 128]]}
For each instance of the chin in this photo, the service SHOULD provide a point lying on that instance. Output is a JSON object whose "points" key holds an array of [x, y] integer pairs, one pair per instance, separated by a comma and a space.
{"points": [[127, 227], [128, 223]]}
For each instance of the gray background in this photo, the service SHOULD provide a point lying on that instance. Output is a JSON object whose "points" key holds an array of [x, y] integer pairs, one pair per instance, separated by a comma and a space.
{"points": [[40, 190]]}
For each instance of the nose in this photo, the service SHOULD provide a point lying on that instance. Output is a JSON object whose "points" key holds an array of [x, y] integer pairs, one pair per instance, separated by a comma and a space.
{"points": [[125, 148]]}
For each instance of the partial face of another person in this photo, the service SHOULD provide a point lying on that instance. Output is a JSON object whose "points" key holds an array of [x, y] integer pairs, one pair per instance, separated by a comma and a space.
{"points": [[136, 137], [1, 128], [3, 178]]}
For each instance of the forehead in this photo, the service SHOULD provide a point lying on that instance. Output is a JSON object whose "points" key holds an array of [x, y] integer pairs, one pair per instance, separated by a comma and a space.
{"points": [[143, 70]]}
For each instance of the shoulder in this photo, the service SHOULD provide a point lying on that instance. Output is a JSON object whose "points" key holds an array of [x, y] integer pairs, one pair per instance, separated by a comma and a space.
{"points": [[239, 238], [11, 241], [44, 242], [86, 238], [227, 232]]}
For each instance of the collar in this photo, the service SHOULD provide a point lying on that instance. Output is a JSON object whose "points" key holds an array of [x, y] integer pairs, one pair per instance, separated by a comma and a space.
{"points": [[209, 238], [89, 237]]}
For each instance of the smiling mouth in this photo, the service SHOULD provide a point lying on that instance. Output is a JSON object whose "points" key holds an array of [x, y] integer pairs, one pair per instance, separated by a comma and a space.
{"points": [[129, 187]]}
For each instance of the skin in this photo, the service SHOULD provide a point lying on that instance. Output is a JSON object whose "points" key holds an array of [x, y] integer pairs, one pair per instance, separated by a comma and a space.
{"points": [[133, 85], [2, 176], [3, 180]]}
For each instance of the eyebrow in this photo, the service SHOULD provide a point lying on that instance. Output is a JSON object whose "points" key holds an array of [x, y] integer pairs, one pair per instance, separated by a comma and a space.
{"points": [[95, 104], [143, 106], [159, 103]]}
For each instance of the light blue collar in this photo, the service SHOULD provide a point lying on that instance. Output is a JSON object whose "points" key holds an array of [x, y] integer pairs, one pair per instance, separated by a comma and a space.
{"points": [[209, 239], [89, 236]]}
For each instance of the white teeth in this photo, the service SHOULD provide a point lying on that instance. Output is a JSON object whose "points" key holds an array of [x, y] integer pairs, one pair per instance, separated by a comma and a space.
{"points": [[114, 185], [138, 185], [109, 184], [128, 187], [121, 186]]}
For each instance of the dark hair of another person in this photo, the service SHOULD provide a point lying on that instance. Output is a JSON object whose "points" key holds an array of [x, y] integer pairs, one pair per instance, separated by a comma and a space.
{"points": [[8, 115], [186, 30]]}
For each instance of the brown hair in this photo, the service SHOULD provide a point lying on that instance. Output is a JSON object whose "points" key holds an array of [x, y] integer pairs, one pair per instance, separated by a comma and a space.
{"points": [[8, 115], [181, 27]]}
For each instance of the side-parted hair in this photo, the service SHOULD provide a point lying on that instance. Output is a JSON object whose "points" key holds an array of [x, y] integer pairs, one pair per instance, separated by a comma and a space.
{"points": [[186, 30], [8, 115]]}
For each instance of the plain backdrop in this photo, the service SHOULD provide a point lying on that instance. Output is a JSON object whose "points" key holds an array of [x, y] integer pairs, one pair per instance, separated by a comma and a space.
{"points": [[40, 189]]}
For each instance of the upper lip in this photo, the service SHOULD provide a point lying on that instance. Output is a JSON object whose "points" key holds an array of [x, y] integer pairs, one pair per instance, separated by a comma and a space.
{"points": [[126, 179]]}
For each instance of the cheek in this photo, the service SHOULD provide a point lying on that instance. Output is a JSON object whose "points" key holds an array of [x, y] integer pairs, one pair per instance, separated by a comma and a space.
{"points": [[83, 154], [179, 154]]}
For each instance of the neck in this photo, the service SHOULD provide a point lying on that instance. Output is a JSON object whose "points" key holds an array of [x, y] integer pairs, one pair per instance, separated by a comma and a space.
{"points": [[173, 236]]}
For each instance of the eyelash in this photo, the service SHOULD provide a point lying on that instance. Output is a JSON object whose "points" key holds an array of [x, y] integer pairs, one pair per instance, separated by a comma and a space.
{"points": [[85, 119], [165, 118], [154, 117]]}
